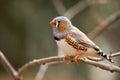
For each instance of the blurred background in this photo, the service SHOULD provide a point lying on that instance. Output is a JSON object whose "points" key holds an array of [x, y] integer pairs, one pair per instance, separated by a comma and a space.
{"points": [[25, 34]]}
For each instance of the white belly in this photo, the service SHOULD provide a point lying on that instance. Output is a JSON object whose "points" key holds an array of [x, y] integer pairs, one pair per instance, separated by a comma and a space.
{"points": [[63, 45], [67, 49]]}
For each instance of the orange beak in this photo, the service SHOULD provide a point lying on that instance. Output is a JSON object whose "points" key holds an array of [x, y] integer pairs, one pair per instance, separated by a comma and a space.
{"points": [[52, 23]]}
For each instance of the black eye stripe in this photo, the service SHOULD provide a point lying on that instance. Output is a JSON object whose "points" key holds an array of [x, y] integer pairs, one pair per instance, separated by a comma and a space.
{"points": [[58, 23]]}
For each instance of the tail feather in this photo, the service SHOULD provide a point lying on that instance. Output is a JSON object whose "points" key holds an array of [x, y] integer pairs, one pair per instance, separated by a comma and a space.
{"points": [[101, 53]]}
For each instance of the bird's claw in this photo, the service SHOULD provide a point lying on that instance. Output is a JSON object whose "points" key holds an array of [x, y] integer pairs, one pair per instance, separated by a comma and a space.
{"points": [[65, 58], [75, 59]]}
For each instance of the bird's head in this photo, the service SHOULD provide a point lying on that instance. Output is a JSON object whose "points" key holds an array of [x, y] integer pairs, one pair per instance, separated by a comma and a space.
{"points": [[60, 23]]}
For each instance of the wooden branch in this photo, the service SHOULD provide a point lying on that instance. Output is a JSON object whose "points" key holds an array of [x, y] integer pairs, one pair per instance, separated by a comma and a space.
{"points": [[60, 8], [55, 59], [113, 39], [72, 11], [104, 24], [115, 54], [36, 62], [8, 67], [77, 8], [104, 66], [41, 72]]}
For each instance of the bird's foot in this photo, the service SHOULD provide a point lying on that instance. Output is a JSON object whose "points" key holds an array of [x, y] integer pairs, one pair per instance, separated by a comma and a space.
{"points": [[75, 59], [66, 56]]}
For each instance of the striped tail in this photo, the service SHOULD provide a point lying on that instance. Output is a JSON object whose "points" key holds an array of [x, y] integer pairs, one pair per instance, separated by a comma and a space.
{"points": [[101, 53]]}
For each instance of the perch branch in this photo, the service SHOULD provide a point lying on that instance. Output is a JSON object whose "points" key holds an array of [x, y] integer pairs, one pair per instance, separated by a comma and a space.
{"points": [[8, 67], [115, 54], [36, 62], [104, 66]]}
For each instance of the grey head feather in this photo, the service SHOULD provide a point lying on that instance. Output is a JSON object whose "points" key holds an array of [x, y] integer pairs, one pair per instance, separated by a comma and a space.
{"points": [[60, 34], [64, 19]]}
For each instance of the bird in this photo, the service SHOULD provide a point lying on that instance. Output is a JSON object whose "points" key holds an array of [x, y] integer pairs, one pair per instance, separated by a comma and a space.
{"points": [[73, 42]]}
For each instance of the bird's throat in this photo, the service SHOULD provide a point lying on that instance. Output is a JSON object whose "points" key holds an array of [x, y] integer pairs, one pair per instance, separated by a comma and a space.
{"points": [[57, 38]]}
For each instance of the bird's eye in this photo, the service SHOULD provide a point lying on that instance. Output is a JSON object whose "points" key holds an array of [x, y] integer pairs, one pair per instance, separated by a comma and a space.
{"points": [[58, 21]]}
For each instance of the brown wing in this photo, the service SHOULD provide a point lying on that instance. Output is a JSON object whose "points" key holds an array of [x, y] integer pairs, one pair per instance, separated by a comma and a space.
{"points": [[71, 41], [82, 39]]}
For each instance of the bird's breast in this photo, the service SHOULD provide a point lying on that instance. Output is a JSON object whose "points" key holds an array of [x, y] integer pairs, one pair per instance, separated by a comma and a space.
{"points": [[63, 45]]}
